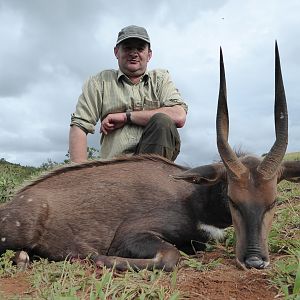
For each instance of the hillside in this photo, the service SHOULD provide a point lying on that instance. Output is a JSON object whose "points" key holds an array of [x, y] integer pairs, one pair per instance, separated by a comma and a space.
{"points": [[11, 176]]}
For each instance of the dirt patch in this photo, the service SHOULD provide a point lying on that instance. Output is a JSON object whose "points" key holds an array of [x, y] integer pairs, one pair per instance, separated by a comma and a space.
{"points": [[18, 285], [225, 282]]}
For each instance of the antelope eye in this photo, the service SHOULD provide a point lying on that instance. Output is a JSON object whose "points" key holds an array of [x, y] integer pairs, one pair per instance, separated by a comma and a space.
{"points": [[271, 206], [232, 203]]}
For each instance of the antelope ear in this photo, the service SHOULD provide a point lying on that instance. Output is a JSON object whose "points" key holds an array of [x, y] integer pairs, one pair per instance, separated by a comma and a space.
{"points": [[204, 175], [290, 171]]}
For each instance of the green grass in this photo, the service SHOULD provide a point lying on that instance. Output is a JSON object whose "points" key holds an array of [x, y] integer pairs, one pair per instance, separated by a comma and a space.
{"points": [[286, 275], [285, 239], [7, 268], [285, 235], [195, 263], [80, 280]]}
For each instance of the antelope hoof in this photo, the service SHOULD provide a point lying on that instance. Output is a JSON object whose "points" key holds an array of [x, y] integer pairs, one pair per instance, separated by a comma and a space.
{"points": [[21, 259]]}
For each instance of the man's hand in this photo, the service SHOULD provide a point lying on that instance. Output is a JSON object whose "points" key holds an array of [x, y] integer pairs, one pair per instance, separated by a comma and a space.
{"points": [[112, 122]]}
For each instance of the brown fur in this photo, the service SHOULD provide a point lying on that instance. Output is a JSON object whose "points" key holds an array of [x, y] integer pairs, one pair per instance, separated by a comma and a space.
{"points": [[80, 210]]}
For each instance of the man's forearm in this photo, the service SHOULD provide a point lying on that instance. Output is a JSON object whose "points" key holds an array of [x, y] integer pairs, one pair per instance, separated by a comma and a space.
{"points": [[77, 144], [176, 113]]}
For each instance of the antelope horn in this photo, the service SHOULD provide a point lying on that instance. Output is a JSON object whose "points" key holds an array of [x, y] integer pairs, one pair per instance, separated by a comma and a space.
{"points": [[228, 156], [273, 159]]}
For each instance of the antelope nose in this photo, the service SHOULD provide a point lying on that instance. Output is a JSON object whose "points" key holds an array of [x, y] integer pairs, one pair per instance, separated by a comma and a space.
{"points": [[254, 262]]}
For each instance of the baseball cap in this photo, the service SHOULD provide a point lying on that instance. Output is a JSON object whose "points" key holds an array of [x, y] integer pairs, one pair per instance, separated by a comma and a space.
{"points": [[133, 31]]}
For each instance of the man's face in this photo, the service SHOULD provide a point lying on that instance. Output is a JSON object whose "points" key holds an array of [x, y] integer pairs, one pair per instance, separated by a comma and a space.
{"points": [[133, 56]]}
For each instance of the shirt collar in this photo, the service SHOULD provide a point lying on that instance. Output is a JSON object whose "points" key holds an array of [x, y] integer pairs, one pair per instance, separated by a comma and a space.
{"points": [[144, 78]]}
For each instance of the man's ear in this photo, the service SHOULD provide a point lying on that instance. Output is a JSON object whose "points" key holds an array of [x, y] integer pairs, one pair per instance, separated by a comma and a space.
{"points": [[116, 50], [204, 175], [149, 54]]}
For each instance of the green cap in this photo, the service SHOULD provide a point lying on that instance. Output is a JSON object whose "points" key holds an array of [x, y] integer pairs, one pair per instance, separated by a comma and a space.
{"points": [[133, 31]]}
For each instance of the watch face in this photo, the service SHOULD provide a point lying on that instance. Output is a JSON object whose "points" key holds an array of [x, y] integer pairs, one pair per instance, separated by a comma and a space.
{"points": [[128, 116]]}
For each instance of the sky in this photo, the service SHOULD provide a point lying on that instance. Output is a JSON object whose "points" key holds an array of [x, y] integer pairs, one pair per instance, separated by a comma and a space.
{"points": [[49, 48]]}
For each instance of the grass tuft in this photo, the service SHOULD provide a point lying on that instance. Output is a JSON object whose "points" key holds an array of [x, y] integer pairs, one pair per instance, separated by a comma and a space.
{"points": [[7, 268], [285, 274], [80, 280]]}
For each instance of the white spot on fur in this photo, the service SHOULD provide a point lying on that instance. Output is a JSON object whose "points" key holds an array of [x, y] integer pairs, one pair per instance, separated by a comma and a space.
{"points": [[18, 224], [22, 196], [212, 231], [3, 239], [44, 205], [29, 200]]}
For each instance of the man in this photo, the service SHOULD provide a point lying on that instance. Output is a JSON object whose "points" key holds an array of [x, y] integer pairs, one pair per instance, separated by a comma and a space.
{"points": [[139, 109]]}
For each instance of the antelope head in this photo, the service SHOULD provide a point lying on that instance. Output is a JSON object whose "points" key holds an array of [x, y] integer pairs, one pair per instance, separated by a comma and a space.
{"points": [[251, 181]]}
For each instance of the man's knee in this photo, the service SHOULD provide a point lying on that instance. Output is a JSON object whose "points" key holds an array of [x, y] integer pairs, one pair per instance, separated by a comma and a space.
{"points": [[160, 136], [161, 120]]}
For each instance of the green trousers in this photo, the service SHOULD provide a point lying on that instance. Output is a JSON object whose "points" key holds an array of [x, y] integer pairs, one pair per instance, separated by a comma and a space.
{"points": [[160, 136]]}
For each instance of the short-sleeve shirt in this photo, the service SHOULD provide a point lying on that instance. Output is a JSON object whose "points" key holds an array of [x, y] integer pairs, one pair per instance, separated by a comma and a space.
{"points": [[111, 91]]}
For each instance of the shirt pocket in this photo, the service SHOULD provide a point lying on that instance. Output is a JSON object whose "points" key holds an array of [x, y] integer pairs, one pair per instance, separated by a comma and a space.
{"points": [[151, 104]]}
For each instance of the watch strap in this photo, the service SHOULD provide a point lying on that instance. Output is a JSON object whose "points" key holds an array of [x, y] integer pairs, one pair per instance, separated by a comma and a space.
{"points": [[128, 117]]}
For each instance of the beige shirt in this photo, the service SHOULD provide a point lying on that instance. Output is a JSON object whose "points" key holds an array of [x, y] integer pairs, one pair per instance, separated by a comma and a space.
{"points": [[111, 91]]}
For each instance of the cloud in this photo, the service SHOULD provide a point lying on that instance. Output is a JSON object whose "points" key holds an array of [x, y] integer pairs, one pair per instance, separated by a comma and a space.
{"points": [[49, 48]]}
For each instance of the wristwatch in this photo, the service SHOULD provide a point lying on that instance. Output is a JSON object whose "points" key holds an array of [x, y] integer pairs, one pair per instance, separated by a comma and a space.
{"points": [[128, 116]]}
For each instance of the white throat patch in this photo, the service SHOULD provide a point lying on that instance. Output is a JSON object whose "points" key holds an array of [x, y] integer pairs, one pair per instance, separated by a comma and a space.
{"points": [[212, 231]]}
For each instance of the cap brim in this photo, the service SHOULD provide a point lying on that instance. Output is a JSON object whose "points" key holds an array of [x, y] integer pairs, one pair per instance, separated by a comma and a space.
{"points": [[133, 37]]}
